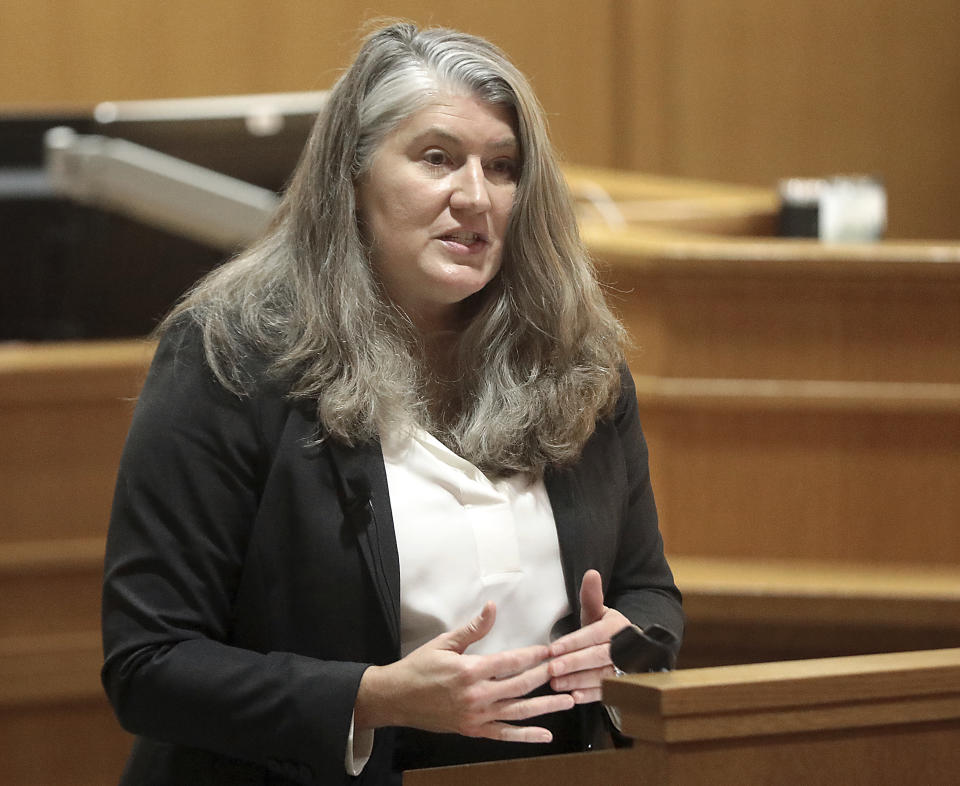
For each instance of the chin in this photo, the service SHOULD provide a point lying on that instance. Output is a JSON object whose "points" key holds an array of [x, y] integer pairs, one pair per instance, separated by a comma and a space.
{"points": [[457, 289]]}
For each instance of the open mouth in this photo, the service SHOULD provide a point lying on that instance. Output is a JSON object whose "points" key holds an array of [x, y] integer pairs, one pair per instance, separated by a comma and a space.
{"points": [[469, 239]]}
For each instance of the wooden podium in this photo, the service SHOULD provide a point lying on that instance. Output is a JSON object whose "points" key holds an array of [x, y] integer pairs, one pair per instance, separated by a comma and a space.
{"points": [[870, 719]]}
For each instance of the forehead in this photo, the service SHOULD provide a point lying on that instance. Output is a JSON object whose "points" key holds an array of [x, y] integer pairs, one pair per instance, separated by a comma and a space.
{"points": [[460, 119]]}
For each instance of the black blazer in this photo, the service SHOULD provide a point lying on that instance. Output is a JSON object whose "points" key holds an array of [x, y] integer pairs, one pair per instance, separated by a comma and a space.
{"points": [[252, 576]]}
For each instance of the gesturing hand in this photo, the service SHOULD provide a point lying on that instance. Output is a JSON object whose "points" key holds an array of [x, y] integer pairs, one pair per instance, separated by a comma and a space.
{"points": [[582, 659], [439, 688]]}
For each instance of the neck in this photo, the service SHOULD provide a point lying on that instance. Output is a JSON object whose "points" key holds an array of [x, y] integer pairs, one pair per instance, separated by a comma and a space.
{"points": [[442, 320]]}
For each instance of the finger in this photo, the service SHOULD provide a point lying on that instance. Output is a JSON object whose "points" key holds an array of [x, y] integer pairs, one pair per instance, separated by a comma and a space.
{"points": [[510, 663], [461, 638], [587, 696], [589, 636], [591, 598], [509, 733], [581, 660], [520, 684], [521, 709], [582, 680]]}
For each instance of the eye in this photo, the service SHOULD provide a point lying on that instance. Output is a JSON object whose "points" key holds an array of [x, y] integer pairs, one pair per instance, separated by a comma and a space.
{"points": [[435, 157], [503, 169]]}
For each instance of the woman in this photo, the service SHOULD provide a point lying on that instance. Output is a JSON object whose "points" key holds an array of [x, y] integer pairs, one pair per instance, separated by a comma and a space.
{"points": [[401, 415]]}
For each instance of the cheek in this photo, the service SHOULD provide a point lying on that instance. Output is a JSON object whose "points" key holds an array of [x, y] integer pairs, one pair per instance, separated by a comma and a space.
{"points": [[407, 206], [504, 208], [385, 217]]}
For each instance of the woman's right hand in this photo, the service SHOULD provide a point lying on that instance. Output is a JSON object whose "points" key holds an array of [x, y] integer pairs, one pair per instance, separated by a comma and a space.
{"points": [[439, 688]]}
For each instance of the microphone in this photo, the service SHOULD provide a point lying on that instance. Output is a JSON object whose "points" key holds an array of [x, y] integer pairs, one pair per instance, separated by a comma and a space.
{"points": [[633, 650], [357, 501]]}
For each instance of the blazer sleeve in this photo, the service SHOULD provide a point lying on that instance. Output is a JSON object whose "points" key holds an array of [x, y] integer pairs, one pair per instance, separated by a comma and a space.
{"points": [[186, 497], [642, 586]]}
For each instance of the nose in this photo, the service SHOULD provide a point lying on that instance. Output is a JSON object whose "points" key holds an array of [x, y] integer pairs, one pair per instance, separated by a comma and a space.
{"points": [[470, 188]]}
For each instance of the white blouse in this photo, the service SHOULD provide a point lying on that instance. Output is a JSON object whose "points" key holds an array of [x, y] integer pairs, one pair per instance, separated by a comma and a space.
{"points": [[462, 540]]}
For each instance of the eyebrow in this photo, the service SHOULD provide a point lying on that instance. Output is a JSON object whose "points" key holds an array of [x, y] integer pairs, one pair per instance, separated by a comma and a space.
{"points": [[505, 143]]}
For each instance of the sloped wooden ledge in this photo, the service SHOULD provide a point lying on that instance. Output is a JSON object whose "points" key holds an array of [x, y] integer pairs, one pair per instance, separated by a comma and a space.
{"points": [[50, 669], [72, 371], [758, 395], [642, 247], [771, 592], [31, 557]]}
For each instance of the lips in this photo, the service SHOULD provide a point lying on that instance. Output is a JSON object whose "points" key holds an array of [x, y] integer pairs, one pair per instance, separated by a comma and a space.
{"points": [[463, 237]]}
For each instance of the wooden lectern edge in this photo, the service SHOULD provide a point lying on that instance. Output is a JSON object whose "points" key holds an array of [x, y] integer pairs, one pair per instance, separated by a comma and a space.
{"points": [[788, 696], [782, 721]]}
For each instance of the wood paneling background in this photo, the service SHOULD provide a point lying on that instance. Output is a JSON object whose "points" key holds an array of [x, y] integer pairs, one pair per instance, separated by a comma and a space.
{"points": [[751, 91], [740, 90], [87, 51]]}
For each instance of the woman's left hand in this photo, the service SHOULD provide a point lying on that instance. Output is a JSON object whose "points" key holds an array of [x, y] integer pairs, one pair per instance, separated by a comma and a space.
{"points": [[581, 660]]}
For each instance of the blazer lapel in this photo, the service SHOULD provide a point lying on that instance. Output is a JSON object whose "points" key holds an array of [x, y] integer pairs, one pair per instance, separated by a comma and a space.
{"points": [[586, 524], [568, 515], [365, 499]]}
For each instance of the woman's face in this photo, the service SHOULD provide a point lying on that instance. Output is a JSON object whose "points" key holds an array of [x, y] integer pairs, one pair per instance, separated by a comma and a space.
{"points": [[435, 205]]}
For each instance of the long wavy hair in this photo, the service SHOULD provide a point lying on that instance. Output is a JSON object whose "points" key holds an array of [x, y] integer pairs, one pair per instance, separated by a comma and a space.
{"points": [[538, 362]]}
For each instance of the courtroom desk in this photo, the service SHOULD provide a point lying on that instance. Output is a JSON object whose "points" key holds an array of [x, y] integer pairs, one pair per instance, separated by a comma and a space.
{"points": [[801, 399], [875, 719], [749, 610], [769, 308]]}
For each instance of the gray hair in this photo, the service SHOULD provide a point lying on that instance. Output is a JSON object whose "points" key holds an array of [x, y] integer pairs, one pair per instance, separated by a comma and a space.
{"points": [[306, 297]]}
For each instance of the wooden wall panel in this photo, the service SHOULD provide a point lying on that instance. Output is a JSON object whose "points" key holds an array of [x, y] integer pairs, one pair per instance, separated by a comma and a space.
{"points": [[741, 90], [751, 91], [806, 484], [799, 325], [63, 742], [801, 401], [729, 308], [64, 414], [86, 51]]}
